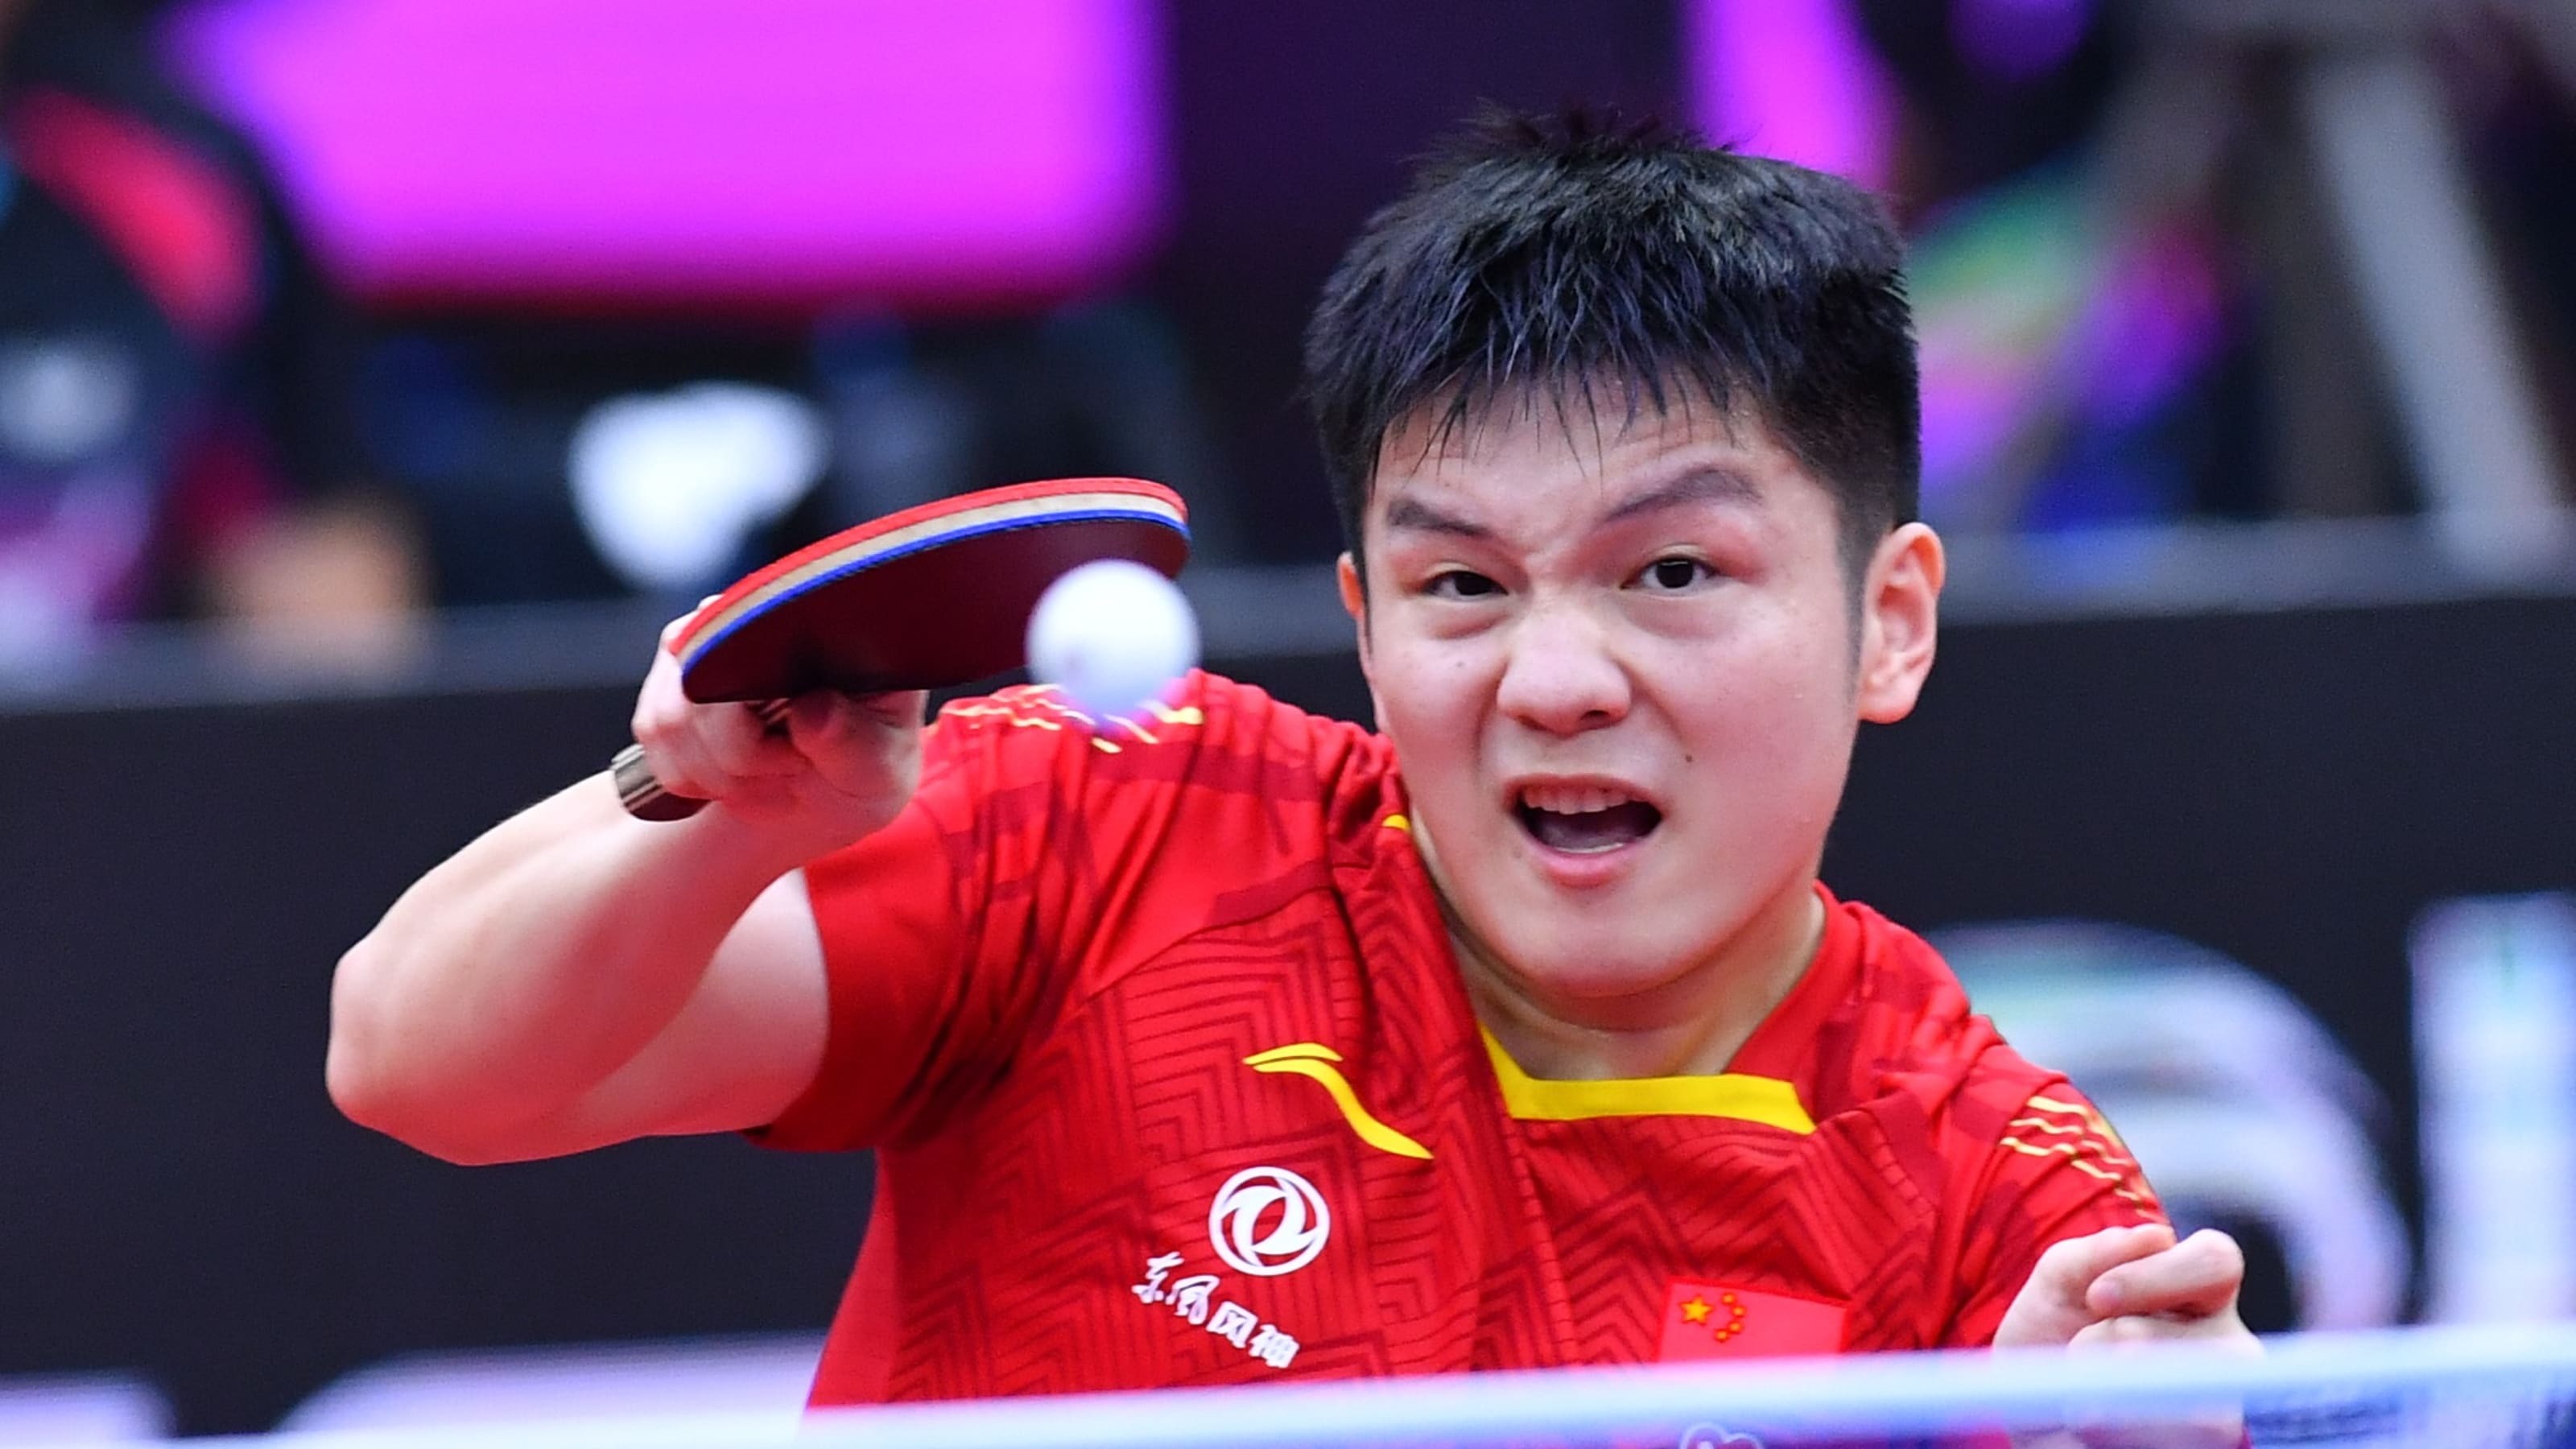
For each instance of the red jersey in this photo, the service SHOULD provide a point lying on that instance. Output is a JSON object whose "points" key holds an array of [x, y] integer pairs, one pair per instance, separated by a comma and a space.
{"points": [[1173, 1080]]}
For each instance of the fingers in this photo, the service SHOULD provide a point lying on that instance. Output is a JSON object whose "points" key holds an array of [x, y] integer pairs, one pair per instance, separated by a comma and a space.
{"points": [[2127, 1286], [861, 745], [2051, 1307], [701, 751], [2216, 1424], [672, 631], [833, 768], [2223, 1329], [661, 725], [2195, 1278], [822, 719], [743, 746], [2069, 1269]]}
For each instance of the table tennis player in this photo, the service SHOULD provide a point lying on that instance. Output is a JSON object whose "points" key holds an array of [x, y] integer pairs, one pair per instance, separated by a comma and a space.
{"points": [[1231, 1044]]}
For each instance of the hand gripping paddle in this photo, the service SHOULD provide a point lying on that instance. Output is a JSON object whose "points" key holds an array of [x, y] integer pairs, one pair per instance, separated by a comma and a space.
{"points": [[929, 598]]}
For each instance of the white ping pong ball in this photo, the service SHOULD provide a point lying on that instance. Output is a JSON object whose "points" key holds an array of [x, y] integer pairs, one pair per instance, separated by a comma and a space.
{"points": [[1112, 635]]}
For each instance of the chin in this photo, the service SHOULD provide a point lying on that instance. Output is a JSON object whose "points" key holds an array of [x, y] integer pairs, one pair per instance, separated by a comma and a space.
{"points": [[1576, 958]]}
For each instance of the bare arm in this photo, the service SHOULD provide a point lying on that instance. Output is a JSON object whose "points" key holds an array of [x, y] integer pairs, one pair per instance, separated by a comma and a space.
{"points": [[575, 977]]}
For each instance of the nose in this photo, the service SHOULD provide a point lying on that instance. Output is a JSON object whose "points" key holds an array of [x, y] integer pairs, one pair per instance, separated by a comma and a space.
{"points": [[1562, 676]]}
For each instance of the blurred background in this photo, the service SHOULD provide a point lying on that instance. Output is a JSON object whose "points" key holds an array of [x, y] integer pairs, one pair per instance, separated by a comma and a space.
{"points": [[377, 375]]}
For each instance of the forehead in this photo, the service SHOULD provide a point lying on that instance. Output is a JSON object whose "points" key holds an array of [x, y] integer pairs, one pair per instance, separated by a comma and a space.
{"points": [[1562, 462]]}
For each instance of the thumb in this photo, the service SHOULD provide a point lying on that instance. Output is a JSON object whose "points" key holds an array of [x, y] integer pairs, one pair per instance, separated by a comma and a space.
{"points": [[2050, 1309]]}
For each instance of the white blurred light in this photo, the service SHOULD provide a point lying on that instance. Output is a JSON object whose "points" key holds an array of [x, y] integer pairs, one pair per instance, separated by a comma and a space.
{"points": [[2495, 1056], [82, 1409], [669, 485], [2235, 1100], [677, 1378], [63, 399]]}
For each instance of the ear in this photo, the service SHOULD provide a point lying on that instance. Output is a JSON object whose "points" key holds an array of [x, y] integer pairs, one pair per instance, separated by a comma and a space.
{"points": [[1346, 572], [1900, 620]]}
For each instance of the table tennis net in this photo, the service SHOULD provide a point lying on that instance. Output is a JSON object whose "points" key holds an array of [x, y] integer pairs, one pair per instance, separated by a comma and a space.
{"points": [[2447, 1388]]}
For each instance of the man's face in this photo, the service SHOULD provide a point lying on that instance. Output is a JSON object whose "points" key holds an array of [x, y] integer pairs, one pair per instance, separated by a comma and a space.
{"points": [[1620, 673]]}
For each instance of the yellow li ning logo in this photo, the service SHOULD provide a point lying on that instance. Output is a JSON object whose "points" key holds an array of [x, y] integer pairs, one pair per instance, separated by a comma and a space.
{"points": [[1315, 1060]]}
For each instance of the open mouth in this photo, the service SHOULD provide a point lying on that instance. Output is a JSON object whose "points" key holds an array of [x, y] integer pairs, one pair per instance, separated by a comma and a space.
{"points": [[1584, 819]]}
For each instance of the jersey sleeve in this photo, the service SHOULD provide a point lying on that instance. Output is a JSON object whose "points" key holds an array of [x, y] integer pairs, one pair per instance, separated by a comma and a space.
{"points": [[2057, 1170], [948, 935]]}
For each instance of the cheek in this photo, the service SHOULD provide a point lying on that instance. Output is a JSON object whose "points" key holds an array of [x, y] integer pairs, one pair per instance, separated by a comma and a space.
{"points": [[1432, 704], [1429, 686], [1767, 724]]}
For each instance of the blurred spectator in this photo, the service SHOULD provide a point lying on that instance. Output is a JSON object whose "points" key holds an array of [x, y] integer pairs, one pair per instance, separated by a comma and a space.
{"points": [[2135, 280], [175, 430], [2084, 338], [2511, 65]]}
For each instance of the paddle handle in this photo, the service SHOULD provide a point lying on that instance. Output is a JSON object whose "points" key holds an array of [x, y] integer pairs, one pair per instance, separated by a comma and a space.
{"points": [[644, 797]]}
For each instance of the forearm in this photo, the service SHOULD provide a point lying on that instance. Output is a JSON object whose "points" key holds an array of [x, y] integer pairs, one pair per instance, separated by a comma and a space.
{"points": [[521, 973]]}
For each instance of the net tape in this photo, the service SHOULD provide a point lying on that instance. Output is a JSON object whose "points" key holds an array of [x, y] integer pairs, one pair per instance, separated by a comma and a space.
{"points": [[2455, 1388]]}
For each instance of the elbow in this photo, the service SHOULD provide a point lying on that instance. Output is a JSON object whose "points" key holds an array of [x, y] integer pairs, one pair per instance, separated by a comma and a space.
{"points": [[364, 1085], [381, 1101], [361, 1069], [378, 1084], [351, 1067], [357, 1083]]}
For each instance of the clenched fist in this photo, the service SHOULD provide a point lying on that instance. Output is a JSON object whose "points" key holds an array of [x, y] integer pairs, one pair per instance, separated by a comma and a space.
{"points": [[2131, 1286], [835, 768]]}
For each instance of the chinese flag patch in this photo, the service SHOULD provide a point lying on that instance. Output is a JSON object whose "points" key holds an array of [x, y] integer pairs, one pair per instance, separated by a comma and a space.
{"points": [[1707, 1320]]}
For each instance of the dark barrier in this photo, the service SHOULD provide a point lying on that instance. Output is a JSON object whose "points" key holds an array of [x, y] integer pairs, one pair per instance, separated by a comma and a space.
{"points": [[2290, 790]]}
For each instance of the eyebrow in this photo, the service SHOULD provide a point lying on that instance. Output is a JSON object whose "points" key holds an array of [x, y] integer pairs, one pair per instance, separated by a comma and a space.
{"points": [[1412, 515], [1699, 485]]}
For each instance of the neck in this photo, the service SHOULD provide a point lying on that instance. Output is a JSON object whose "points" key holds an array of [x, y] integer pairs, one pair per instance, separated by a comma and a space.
{"points": [[1691, 1025]]}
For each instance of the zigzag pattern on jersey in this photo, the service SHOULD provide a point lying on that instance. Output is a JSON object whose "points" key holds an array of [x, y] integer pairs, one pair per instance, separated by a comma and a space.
{"points": [[1390, 1271], [1448, 1257], [1110, 1167], [1104, 1030], [1061, 861]]}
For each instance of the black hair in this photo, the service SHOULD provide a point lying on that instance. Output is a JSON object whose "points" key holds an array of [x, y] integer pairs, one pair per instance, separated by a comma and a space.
{"points": [[1554, 255]]}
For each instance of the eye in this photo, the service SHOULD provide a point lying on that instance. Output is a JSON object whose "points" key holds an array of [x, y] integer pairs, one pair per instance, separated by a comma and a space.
{"points": [[1675, 574], [1461, 584]]}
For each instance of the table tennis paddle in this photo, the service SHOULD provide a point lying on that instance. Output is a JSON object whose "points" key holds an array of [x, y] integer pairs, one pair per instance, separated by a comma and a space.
{"points": [[928, 598]]}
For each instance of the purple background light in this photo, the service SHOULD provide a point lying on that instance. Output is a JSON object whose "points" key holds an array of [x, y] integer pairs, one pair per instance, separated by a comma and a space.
{"points": [[796, 149], [2019, 40], [1792, 79]]}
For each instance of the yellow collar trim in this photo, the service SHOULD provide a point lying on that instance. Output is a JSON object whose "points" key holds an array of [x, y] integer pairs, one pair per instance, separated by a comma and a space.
{"points": [[1767, 1100]]}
